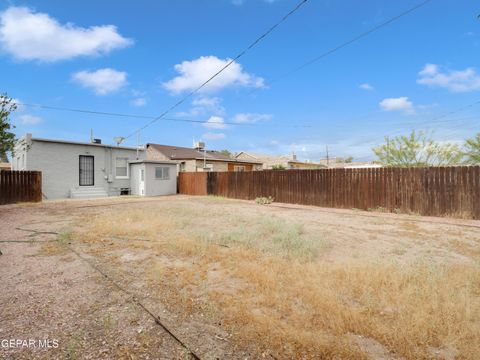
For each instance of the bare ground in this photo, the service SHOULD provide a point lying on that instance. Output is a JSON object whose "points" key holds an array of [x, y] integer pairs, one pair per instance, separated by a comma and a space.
{"points": [[233, 279]]}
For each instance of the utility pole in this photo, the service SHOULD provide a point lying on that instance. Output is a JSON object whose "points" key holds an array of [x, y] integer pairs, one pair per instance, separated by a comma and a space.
{"points": [[138, 142], [328, 159]]}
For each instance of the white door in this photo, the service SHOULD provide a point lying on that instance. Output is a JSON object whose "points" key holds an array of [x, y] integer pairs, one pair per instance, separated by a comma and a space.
{"points": [[141, 183]]}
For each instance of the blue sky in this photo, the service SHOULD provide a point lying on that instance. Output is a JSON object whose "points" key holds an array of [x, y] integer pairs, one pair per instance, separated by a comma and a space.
{"points": [[140, 58]]}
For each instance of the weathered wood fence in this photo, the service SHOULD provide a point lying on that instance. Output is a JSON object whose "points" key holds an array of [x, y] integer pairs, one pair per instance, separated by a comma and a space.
{"points": [[432, 191], [20, 186]]}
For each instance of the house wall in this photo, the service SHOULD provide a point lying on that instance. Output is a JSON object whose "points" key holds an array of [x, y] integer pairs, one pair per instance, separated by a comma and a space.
{"points": [[248, 167], [156, 187], [59, 164]]}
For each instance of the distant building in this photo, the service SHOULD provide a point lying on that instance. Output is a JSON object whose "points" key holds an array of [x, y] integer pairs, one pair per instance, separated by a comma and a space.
{"points": [[5, 166], [339, 163], [271, 162], [199, 159]]}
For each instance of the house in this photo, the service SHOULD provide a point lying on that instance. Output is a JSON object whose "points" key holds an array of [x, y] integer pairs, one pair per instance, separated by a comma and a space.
{"points": [[283, 162], [340, 163], [200, 159], [5, 166], [85, 170]]}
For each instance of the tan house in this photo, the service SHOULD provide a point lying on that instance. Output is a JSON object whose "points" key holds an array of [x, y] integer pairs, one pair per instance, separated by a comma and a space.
{"points": [[271, 161], [340, 163], [199, 159], [5, 166]]}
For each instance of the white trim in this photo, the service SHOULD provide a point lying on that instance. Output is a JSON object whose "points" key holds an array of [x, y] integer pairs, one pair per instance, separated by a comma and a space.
{"points": [[126, 165]]}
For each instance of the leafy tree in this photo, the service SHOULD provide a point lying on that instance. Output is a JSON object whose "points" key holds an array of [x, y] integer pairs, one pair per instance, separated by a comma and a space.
{"points": [[7, 137], [417, 149], [226, 152], [349, 159], [278, 167], [472, 150]]}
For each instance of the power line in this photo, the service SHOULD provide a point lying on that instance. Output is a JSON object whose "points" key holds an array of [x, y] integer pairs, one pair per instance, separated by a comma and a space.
{"points": [[348, 42], [136, 116], [243, 52]]}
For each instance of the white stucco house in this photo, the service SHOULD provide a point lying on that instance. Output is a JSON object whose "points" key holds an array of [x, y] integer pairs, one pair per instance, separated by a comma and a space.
{"points": [[88, 170]]}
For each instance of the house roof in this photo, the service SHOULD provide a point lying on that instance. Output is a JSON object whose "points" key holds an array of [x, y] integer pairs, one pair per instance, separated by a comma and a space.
{"points": [[183, 153], [83, 143], [169, 162], [274, 159], [4, 165]]}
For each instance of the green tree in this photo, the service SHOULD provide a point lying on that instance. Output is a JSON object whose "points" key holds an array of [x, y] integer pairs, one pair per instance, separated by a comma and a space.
{"points": [[417, 149], [472, 150], [226, 152], [278, 167], [349, 159], [7, 137]]}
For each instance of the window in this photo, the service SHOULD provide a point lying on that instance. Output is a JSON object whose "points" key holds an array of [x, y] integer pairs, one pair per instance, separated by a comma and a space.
{"points": [[121, 168], [162, 173], [239, 168]]}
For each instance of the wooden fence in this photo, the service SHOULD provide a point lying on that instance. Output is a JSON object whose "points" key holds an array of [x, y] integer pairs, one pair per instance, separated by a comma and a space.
{"points": [[20, 186], [433, 191]]}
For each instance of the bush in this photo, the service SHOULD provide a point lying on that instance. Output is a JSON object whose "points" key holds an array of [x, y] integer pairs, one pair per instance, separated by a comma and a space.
{"points": [[264, 200]]}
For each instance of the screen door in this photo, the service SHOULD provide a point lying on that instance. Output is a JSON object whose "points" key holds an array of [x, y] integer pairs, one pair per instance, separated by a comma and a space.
{"points": [[86, 170]]}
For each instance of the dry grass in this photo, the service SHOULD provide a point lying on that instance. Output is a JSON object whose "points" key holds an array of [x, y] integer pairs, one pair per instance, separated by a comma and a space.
{"points": [[268, 280]]}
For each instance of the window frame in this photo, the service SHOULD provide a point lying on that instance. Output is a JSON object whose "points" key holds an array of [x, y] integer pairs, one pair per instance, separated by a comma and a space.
{"points": [[127, 167], [163, 177]]}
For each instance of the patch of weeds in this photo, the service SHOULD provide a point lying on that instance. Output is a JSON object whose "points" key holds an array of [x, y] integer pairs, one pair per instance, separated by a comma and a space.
{"points": [[286, 239], [399, 250], [72, 346], [64, 237], [264, 200], [397, 211], [109, 322]]}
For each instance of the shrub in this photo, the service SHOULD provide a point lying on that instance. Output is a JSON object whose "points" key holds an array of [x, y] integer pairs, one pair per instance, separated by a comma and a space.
{"points": [[264, 200]]}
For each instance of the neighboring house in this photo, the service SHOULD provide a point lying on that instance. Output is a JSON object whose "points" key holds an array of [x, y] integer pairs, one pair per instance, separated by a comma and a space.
{"points": [[87, 170], [271, 161], [5, 166], [199, 159], [339, 163]]}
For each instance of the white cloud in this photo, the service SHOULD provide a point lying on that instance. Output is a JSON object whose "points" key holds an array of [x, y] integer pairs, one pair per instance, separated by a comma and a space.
{"points": [[213, 136], [102, 81], [139, 102], [366, 86], [196, 72], [29, 119], [397, 104], [453, 80], [250, 118], [215, 122], [208, 104], [28, 35]]}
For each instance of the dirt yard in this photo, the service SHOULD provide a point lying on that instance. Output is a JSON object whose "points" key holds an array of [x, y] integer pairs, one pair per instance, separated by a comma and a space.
{"points": [[179, 277]]}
